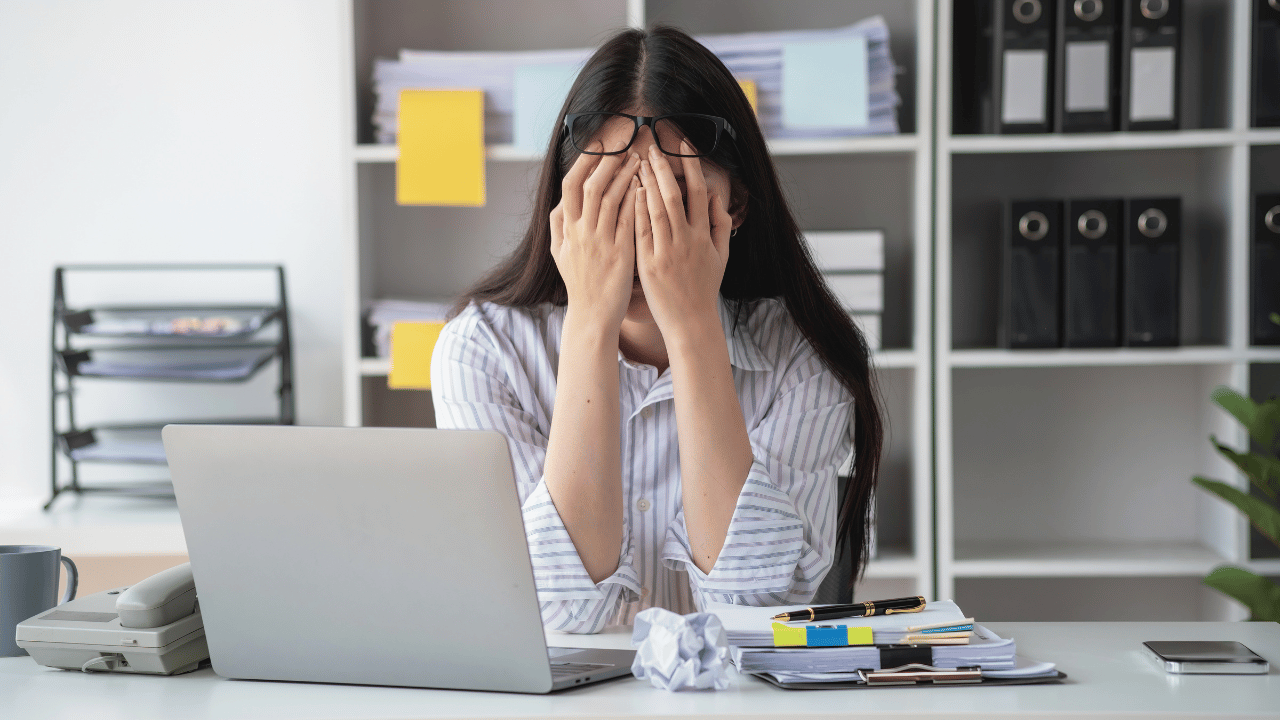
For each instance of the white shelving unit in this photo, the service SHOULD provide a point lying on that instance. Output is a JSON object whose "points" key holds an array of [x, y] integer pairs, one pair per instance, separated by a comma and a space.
{"points": [[882, 182], [1047, 477], [1063, 475]]}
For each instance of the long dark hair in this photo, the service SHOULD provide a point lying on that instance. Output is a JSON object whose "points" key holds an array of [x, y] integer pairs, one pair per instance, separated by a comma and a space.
{"points": [[665, 71]]}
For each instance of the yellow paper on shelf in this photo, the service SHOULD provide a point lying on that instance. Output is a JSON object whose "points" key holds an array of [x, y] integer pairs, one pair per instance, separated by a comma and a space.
{"points": [[411, 346], [441, 140], [753, 95], [787, 636]]}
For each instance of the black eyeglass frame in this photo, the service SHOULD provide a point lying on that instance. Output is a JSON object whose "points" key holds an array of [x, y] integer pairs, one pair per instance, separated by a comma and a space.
{"points": [[722, 126]]}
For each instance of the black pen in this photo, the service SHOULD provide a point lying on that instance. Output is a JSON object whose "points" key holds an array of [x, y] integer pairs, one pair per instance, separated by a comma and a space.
{"points": [[862, 609]]}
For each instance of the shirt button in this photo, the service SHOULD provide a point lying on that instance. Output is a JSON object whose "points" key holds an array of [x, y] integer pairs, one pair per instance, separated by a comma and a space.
{"points": [[642, 505], [644, 592], [647, 412]]}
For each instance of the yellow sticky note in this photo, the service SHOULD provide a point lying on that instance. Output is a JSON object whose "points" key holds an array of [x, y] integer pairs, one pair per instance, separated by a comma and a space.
{"points": [[749, 89], [441, 139], [411, 347], [860, 636], [787, 636]]}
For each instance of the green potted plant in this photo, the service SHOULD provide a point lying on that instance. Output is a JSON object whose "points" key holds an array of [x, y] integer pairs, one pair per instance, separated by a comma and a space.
{"points": [[1262, 420]]}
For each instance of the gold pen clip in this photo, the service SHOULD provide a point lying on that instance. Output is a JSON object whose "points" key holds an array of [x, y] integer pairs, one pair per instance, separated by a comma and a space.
{"points": [[915, 609]]}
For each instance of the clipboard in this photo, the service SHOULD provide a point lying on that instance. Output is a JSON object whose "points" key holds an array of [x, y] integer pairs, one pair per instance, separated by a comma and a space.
{"points": [[915, 675]]}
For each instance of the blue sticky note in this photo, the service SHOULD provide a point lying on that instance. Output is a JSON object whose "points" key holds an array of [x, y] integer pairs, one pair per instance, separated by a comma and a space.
{"points": [[824, 83], [827, 636], [539, 92]]}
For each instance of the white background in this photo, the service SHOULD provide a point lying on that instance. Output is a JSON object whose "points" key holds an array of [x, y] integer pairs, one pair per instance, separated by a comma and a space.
{"points": [[159, 131]]}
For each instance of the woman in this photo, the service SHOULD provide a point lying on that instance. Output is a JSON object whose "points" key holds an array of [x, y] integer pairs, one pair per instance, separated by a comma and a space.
{"points": [[662, 286]]}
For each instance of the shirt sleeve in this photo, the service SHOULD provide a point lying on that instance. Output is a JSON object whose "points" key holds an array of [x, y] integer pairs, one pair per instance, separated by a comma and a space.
{"points": [[780, 542], [472, 387]]}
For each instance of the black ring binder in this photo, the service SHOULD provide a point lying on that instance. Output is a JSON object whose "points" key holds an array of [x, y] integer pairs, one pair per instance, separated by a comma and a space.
{"points": [[1091, 274], [1087, 61], [1031, 275], [1266, 64], [1151, 62], [1265, 269], [1151, 276]]}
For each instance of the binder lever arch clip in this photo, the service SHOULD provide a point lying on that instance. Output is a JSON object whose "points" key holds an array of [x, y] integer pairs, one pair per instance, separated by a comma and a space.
{"points": [[918, 673]]}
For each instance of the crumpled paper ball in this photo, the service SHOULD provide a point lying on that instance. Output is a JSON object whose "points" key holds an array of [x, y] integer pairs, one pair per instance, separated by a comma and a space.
{"points": [[680, 652]]}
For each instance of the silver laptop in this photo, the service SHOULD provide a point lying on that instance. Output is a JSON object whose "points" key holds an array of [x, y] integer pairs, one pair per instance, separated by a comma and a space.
{"points": [[379, 556]]}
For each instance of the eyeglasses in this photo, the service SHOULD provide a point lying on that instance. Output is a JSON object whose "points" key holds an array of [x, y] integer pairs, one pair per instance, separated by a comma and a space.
{"points": [[702, 131]]}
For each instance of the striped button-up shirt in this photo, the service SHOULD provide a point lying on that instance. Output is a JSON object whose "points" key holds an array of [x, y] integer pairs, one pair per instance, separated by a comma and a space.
{"points": [[494, 368]]}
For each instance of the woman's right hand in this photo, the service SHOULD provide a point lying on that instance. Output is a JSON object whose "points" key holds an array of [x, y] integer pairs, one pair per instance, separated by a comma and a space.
{"points": [[593, 235]]}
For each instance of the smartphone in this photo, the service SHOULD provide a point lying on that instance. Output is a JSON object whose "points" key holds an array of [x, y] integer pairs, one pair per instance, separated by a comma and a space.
{"points": [[1206, 657]]}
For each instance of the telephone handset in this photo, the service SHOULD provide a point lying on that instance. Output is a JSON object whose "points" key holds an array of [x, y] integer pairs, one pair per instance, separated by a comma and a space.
{"points": [[153, 627], [159, 600]]}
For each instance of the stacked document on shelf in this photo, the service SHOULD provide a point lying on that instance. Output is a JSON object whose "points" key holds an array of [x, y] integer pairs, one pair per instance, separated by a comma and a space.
{"points": [[123, 446], [853, 263], [492, 72], [204, 370], [799, 91], [210, 363], [384, 314], [171, 323], [847, 251], [809, 84]]}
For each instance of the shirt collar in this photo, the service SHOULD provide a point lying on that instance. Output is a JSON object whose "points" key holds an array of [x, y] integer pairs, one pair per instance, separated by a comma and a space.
{"points": [[744, 352]]}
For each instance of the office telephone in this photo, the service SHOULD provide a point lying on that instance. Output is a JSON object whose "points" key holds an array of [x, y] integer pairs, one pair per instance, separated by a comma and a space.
{"points": [[152, 627]]}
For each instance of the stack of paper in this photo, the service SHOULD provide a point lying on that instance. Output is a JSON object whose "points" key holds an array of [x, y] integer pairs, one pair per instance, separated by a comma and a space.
{"points": [[853, 264], [752, 626], [750, 633], [492, 72], [808, 84], [384, 314], [817, 83], [1022, 668], [987, 651], [238, 368], [133, 445], [221, 323]]}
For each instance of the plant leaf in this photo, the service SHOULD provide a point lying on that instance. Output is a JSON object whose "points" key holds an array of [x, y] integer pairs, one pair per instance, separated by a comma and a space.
{"points": [[1261, 420], [1275, 318], [1263, 471], [1263, 516], [1259, 594]]}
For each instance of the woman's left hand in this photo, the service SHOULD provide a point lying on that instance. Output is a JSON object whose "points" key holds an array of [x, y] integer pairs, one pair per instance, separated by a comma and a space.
{"points": [[681, 254]]}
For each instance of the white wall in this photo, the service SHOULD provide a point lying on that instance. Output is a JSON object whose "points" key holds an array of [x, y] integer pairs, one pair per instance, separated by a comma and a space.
{"points": [[161, 131]]}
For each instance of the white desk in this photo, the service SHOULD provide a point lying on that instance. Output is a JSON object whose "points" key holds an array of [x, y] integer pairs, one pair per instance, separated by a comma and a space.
{"points": [[1108, 677]]}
